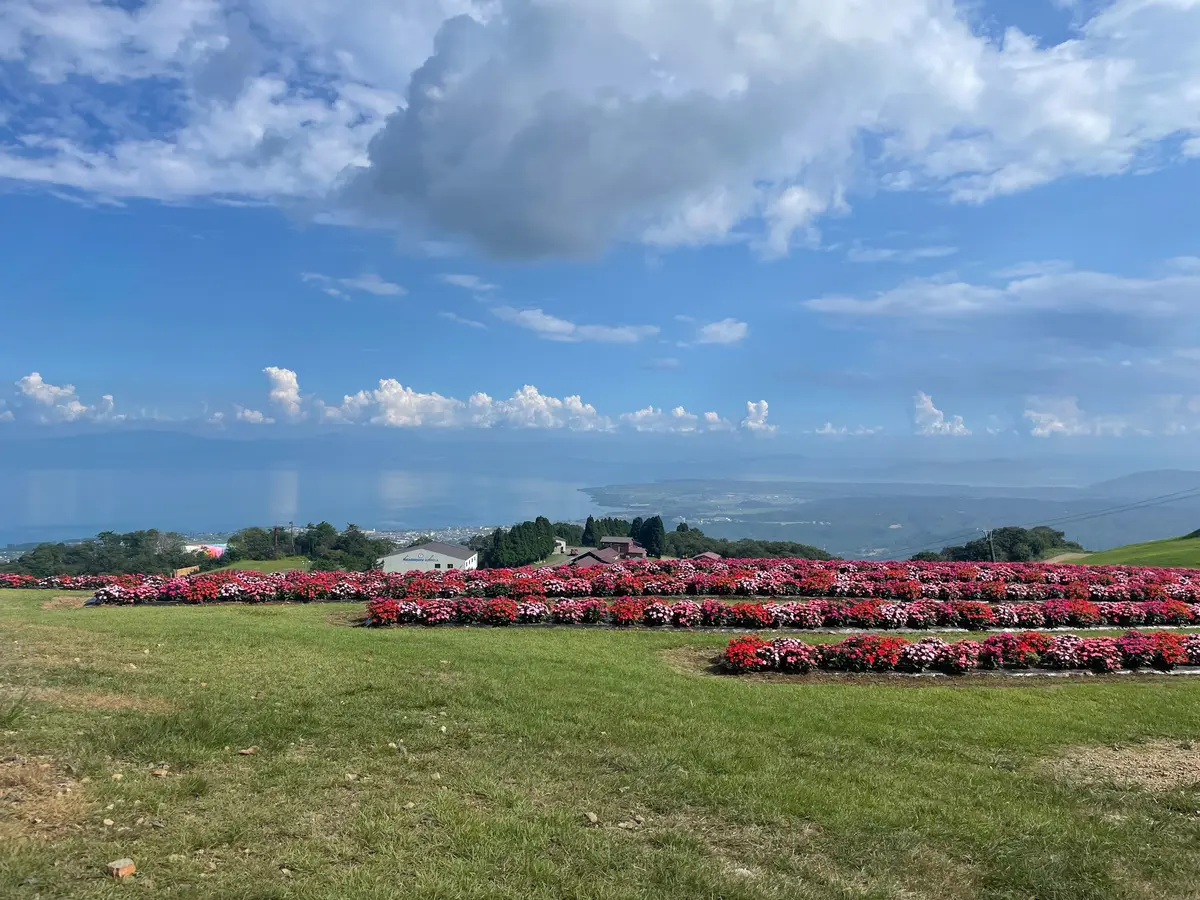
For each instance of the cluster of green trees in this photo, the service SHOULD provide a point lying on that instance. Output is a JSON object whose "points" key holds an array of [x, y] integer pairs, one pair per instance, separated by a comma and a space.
{"points": [[683, 542], [522, 545], [595, 529], [112, 553], [352, 550], [686, 542], [1008, 544]]}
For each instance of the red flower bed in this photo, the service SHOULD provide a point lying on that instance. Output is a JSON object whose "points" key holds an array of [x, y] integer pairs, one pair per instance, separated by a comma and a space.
{"points": [[883, 653]]}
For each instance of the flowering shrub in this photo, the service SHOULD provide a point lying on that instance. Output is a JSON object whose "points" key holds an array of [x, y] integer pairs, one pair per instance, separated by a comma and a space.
{"points": [[958, 657], [863, 653], [657, 614], [626, 612], [1014, 651], [920, 655], [796, 657], [686, 614], [499, 611], [749, 654], [881, 653]]}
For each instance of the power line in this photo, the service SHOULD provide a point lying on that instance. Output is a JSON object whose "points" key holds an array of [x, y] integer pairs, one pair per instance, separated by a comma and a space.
{"points": [[1146, 503]]}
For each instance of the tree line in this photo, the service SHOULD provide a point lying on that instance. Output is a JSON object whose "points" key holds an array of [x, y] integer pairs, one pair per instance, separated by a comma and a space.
{"points": [[521, 545], [111, 553], [1008, 544], [326, 548], [683, 542]]}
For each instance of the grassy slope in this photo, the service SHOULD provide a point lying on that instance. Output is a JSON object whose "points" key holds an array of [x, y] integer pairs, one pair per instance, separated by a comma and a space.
{"points": [[812, 789], [1171, 552], [270, 565]]}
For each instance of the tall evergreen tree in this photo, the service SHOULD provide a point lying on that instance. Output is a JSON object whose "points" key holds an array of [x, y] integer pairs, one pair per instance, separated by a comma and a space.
{"points": [[590, 538], [654, 536], [635, 529]]}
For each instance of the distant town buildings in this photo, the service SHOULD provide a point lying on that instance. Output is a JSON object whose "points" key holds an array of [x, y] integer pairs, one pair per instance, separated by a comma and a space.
{"points": [[429, 557]]}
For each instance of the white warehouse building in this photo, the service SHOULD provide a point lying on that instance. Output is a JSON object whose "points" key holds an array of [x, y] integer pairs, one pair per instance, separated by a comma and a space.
{"points": [[429, 557]]}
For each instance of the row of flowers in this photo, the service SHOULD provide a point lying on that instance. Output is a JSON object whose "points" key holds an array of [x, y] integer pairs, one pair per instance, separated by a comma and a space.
{"points": [[1161, 650], [871, 614], [894, 582]]}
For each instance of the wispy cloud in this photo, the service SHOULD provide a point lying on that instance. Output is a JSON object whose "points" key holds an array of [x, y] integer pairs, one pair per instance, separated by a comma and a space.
{"points": [[861, 254], [727, 331], [552, 328], [468, 282], [460, 320], [369, 283]]}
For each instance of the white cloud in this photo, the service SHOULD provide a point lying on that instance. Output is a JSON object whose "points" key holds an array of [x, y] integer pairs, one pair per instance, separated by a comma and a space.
{"points": [[932, 421], [369, 283], [675, 421], [1049, 416], [468, 282], [460, 320], [830, 430], [756, 418], [401, 407], [352, 408], [1034, 291], [394, 405], [285, 391], [529, 408], [727, 331], [55, 403], [252, 416], [537, 129], [6, 415], [861, 254], [552, 328]]}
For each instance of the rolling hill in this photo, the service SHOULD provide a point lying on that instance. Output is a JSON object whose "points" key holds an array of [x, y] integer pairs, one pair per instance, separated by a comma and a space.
{"points": [[1180, 551]]}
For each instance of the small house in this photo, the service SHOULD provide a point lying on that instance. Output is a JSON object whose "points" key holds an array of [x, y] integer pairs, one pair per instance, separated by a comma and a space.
{"points": [[429, 557]]}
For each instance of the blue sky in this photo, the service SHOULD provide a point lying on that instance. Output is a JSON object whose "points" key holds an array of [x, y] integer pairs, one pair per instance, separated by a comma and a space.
{"points": [[834, 221]]}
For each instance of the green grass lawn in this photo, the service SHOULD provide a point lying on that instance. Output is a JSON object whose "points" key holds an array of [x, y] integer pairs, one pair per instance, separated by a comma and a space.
{"points": [[1171, 552], [286, 564], [505, 738]]}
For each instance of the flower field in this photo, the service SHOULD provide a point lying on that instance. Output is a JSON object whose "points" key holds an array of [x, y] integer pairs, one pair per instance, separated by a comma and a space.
{"points": [[806, 614], [884, 581], [1161, 650]]}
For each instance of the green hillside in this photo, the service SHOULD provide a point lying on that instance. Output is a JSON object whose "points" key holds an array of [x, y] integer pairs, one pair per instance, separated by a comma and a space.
{"points": [[1181, 551], [286, 564]]}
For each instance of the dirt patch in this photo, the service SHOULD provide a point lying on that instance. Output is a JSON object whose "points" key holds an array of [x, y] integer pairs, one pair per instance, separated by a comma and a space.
{"points": [[1153, 766], [37, 800], [78, 699], [66, 601], [346, 618], [693, 660]]}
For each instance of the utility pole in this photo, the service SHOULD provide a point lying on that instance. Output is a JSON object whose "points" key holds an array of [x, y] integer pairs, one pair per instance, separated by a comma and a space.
{"points": [[991, 544]]}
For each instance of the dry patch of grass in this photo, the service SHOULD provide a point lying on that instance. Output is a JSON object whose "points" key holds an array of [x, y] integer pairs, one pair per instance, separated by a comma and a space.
{"points": [[692, 660], [66, 601], [86, 700], [1153, 766], [37, 799], [345, 618]]}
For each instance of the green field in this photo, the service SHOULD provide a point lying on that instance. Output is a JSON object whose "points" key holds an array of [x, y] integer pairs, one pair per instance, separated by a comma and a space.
{"points": [[462, 763], [1183, 551], [286, 564]]}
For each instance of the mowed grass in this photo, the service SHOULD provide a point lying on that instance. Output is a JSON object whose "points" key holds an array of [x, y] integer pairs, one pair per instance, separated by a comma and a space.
{"points": [[506, 738], [286, 564], [1176, 552]]}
